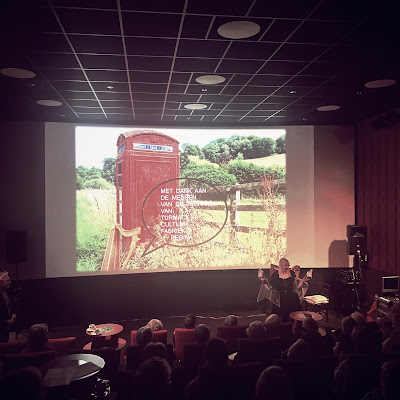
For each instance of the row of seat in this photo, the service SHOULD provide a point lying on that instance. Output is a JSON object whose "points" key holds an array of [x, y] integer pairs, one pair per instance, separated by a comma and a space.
{"points": [[231, 334]]}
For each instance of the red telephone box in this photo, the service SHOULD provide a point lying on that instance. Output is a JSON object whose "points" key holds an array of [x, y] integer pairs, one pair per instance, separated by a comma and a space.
{"points": [[145, 159]]}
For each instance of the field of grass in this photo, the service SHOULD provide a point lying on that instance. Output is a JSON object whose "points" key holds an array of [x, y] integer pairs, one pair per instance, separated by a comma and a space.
{"points": [[96, 217]]}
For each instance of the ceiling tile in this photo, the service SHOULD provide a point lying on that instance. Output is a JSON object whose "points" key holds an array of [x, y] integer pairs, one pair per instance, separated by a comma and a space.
{"points": [[102, 61], [148, 97], [116, 103], [106, 76], [89, 21], [324, 68], [240, 106], [107, 4], [283, 8], [83, 103], [148, 111], [149, 88], [195, 65], [151, 24], [223, 7], [188, 98], [149, 63], [354, 10], [51, 42], [148, 104], [323, 32], [72, 85], [347, 54], [283, 67], [55, 60], [299, 52], [154, 5], [152, 77], [201, 48], [239, 66], [279, 30], [257, 90], [97, 44], [270, 106], [268, 80], [310, 81], [113, 95], [63, 74], [116, 86], [83, 95], [209, 89], [231, 90], [196, 26], [174, 88], [248, 99], [252, 50], [150, 46], [264, 113], [216, 98], [180, 77]]}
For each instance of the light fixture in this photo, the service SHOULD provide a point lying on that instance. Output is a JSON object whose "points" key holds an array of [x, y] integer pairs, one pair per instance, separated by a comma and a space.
{"points": [[304, 119], [210, 79], [195, 106], [328, 108], [63, 115], [49, 103], [359, 92], [292, 92], [380, 83], [18, 73], [110, 87], [204, 90], [238, 29]]}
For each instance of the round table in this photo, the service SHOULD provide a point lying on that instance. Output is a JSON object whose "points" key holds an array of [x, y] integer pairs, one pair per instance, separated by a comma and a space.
{"points": [[302, 315], [78, 362], [107, 338], [114, 329]]}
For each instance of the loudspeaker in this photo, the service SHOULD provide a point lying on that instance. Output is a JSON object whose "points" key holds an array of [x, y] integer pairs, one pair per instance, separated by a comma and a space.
{"points": [[357, 239], [16, 242]]}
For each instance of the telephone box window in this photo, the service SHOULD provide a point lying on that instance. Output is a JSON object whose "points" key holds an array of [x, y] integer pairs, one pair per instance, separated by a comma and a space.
{"points": [[119, 168], [121, 148], [119, 181]]}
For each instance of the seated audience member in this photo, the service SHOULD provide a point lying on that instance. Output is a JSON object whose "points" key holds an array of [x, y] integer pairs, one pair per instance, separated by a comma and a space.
{"points": [[320, 346], [38, 337], [274, 384], [190, 321], [22, 384], [256, 331], [217, 359], [389, 383], [202, 334], [343, 346], [365, 339], [143, 336], [231, 320], [273, 319], [155, 325], [392, 343], [157, 349], [154, 377], [299, 350], [358, 317]]}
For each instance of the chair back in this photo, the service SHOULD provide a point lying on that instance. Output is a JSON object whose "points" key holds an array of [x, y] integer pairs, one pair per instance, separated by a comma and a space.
{"points": [[158, 336], [193, 355], [20, 360], [258, 351], [134, 357], [182, 336], [61, 345], [283, 330], [231, 334], [12, 347]]}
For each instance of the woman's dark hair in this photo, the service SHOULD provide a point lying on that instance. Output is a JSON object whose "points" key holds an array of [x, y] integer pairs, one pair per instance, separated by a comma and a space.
{"points": [[190, 321]]}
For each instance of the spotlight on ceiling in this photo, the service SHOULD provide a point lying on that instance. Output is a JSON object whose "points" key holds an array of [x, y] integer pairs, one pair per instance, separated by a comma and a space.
{"points": [[18, 73], [292, 92], [210, 79], [328, 108], [238, 29], [110, 87], [195, 106], [49, 103], [380, 83]]}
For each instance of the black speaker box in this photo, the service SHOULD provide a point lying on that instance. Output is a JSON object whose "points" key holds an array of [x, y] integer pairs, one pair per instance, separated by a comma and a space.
{"points": [[16, 242], [357, 239]]}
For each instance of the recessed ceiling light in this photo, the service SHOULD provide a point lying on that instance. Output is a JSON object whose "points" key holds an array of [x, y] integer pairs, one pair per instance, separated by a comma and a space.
{"points": [[204, 90], [110, 87], [210, 79], [304, 119], [188, 117], [18, 73], [292, 92], [328, 108], [359, 92], [63, 115], [49, 103], [238, 29], [195, 106], [380, 83]]}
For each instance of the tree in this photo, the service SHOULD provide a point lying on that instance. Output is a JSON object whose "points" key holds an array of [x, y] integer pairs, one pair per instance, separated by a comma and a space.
{"points": [[281, 144], [108, 172], [192, 150], [209, 173]]}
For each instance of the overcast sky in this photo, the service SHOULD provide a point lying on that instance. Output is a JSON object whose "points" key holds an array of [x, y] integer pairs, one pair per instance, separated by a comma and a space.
{"points": [[94, 144]]}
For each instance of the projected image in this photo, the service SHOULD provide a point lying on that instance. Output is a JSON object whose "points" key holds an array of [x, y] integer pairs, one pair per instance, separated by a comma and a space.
{"points": [[175, 199]]}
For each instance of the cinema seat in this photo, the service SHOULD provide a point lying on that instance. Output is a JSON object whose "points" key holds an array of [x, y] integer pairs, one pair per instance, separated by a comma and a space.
{"points": [[21, 360], [12, 347], [182, 336], [61, 345], [283, 330], [158, 336], [231, 335], [258, 351]]}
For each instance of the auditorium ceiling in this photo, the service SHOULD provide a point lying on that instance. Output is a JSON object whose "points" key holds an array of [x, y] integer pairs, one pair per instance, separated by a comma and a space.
{"points": [[143, 62]]}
